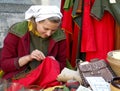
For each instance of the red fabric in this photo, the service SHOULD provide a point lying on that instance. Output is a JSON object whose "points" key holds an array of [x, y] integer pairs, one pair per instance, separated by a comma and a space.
{"points": [[44, 75], [104, 35], [75, 44], [67, 21], [69, 42], [88, 34], [67, 27], [71, 27], [97, 36]]}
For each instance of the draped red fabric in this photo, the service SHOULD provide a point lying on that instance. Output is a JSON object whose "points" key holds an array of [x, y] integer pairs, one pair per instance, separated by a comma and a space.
{"points": [[67, 21], [88, 43], [71, 28], [97, 36], [75, 44], [44, 75], [67, 27], [104, 37]]}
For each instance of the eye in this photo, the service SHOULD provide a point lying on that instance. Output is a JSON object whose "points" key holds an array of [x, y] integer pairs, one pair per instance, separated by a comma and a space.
{"points": [[46, 28], [53, 30]]}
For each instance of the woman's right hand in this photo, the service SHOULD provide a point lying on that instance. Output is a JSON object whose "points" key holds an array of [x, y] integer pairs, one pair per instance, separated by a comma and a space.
{"points": [[38, 55]]}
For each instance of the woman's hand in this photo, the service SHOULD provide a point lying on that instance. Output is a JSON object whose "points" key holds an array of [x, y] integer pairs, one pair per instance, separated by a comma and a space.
{"points": [[52, 57], [38, 55]]}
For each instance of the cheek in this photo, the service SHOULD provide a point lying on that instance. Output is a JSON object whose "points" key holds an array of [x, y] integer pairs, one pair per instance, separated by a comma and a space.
{"points": [[39, 29]]}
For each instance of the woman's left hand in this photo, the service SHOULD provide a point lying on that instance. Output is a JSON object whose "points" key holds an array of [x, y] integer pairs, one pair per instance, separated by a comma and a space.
{"points": [[52, 57], [38, 55]]}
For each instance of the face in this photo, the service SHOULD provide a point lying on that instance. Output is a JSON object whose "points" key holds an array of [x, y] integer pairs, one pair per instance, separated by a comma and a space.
{"points": [[46, 28]]}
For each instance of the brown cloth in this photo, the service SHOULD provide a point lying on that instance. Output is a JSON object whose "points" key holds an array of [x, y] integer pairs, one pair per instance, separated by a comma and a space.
{"points": [[79, 7], [117, 36]]}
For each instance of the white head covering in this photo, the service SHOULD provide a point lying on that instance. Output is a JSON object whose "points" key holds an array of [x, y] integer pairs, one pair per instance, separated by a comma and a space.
{"points": [[41, 12]]}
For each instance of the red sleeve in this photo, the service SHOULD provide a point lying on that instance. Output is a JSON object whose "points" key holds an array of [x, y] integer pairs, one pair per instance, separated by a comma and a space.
{"points": [[61, 56], [9, 58]]}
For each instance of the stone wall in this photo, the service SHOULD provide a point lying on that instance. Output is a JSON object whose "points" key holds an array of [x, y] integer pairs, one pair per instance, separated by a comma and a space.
{"points": [[11, 11]]}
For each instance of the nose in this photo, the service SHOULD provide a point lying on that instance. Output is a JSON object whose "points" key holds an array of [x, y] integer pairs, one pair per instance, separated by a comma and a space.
{"points": [[49, 33]]}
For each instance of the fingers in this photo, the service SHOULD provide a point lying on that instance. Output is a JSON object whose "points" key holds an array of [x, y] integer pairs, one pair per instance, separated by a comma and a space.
{"points": [[38, 55], [52, 57]]}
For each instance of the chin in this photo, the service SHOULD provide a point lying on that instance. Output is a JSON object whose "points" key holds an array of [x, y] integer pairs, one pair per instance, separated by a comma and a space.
{"points": [[44, 36]]}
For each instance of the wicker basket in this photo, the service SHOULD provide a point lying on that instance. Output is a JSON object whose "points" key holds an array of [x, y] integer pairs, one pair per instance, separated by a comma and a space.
{"points": [[115, 84], [114, 63]]}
